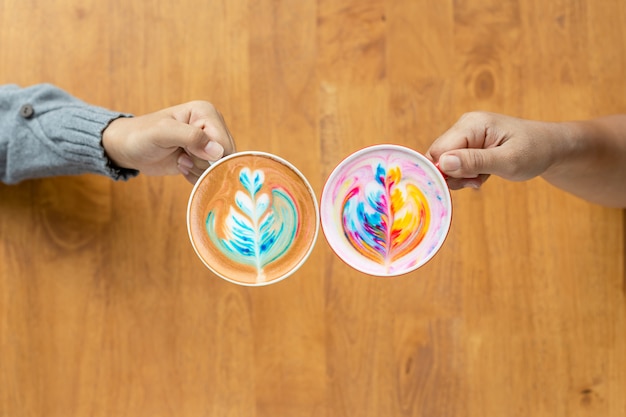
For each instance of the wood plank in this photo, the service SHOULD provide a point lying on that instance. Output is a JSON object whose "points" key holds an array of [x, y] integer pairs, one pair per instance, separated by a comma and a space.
{"points": [[105, 309]]}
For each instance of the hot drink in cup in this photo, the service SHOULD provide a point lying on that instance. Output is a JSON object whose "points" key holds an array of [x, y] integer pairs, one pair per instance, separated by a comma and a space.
{"points": [[386, 210], [253, 218]]}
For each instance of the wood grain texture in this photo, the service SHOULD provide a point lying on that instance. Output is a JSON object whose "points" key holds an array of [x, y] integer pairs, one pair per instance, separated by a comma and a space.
{"points": [[106, 311]]}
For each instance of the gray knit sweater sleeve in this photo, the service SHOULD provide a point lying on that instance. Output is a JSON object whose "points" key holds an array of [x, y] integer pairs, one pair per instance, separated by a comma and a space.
{"points": [[46, 132]]}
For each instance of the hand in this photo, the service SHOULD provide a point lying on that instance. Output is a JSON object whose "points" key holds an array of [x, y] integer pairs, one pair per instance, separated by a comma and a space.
{"points": [[481, 144], [181, 139]]}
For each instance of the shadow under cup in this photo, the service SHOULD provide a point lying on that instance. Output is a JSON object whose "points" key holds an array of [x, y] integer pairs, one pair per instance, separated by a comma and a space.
{"points": [[253, 218]]}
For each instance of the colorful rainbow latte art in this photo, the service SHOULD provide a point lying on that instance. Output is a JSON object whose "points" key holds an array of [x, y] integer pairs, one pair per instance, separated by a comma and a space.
{"points": [[386, 213], [260, 227]]}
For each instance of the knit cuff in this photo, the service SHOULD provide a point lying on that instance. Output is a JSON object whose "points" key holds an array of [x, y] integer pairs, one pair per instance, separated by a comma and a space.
{"points": [[77, 133], [114, 171], [47, 132]]}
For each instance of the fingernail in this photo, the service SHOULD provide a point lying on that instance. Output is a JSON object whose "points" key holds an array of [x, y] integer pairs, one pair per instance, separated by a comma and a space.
{"points": [[449, 163], [183, 170], [214, 150], [185, 161]]}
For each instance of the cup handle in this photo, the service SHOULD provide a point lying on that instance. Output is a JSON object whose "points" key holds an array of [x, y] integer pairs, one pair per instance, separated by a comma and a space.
{"points": [[445, 176]]}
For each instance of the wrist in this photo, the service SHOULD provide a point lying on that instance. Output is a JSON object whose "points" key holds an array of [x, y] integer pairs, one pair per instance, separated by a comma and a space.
{"points": [[112, 138], [567, 140]]}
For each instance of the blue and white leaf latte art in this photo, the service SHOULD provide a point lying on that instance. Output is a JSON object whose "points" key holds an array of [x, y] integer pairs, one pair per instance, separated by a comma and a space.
{"points": [[260, 227]]}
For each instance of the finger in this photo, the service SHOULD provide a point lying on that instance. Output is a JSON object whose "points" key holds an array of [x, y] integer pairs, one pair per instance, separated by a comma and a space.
{"points": [[231, 146], [175, 134], [190, 165], [454, 138], [215, 127], [470, 163], [196, 171], [184, 161], [170, 133], [216, 130], [191, 178], [200, 164], [459, 183], [205, 116], [186, 165], [472, 130]]}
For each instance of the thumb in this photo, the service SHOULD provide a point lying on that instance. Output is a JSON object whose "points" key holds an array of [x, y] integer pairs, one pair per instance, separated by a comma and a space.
{"points": [[191, 138], [470, 163]]}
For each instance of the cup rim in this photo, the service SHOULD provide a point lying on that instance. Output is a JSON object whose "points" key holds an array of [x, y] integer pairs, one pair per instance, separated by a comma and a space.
{"points": [[313, 198], [421, 157]]}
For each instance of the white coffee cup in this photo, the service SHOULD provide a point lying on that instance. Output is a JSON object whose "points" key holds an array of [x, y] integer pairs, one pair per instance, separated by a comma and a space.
{"points": [[386, 210], [253, 218]]}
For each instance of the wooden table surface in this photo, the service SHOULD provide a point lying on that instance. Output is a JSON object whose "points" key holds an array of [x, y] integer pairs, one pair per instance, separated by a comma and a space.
{"points": [[105, 310]]}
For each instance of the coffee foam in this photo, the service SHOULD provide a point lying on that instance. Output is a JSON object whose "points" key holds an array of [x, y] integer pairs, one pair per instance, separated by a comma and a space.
{"points": [[253, 218]]}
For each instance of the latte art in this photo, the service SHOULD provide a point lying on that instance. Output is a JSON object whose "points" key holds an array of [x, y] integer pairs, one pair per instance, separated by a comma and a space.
{"points": [[253, 218], [259, 227]]}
